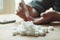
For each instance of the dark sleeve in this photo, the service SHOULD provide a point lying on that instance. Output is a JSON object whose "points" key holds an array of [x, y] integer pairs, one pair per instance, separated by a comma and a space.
{"points": [[41, 5]]}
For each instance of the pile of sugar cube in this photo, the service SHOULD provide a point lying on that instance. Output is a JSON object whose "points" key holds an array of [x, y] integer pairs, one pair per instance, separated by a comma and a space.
{"points": [[30, 29]]}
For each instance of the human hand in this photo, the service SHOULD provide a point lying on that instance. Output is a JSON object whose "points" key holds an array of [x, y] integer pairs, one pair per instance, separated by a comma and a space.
{"points": [[47, 18], [21, 13]]}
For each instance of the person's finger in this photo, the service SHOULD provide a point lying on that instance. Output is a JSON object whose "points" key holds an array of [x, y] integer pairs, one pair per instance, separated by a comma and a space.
{"points": [[43, 21], [30, 18]]}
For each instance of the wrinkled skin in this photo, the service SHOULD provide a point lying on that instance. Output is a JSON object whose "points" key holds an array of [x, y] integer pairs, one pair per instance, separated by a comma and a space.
{"points": [[46, 17]]}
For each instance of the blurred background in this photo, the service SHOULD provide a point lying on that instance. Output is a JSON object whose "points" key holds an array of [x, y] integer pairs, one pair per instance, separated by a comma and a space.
{"points": [[10, 6]]}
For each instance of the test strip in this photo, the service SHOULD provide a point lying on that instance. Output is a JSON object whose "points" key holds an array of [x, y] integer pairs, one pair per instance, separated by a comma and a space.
{"points": [[26, 9]]}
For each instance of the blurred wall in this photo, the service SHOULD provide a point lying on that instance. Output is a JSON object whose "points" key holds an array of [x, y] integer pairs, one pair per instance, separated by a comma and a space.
{"points": [[8, 7]]}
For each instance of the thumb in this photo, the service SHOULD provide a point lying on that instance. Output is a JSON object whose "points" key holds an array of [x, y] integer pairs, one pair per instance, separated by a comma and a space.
{"points": [[21, 5]]}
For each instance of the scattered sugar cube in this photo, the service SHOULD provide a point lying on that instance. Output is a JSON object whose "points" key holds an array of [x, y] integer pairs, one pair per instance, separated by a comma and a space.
{"points": [[50, 28]]}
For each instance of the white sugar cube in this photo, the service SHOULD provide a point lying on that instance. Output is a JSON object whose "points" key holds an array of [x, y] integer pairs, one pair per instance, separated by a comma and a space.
{"points": [[28, 33], [45, 29], [42, 33], [36, 34], [50, 28]]}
